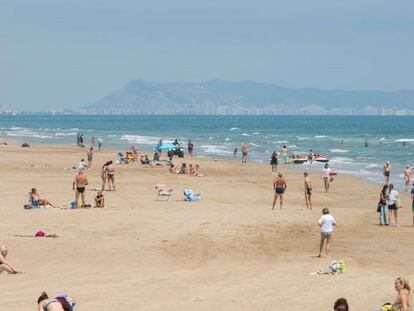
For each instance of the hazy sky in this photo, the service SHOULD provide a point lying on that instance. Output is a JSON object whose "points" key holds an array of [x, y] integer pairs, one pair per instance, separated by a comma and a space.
{"points": [[67, 53]]}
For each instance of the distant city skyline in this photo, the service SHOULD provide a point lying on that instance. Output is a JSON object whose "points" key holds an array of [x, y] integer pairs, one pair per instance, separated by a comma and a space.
{"points": [[68, 54]]}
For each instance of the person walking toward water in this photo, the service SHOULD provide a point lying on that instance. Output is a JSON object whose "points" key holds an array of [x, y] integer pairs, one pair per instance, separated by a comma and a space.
{"points": [[284, 153], [392, 204], [383, 207], [99, 143], [190, 148], [327, 172], [89, 154], [326, 222], [407, 176], [311, 156], [279, 186], [245, 152], [235, 152], [308, 190], [273, 162], [93, 141], [79, 185], [387, 172]]}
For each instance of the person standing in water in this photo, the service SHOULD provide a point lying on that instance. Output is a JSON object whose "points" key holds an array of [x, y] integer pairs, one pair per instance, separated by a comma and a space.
{"points": [[407, 177], [387, 172], [190, 148], [311, 156], [93, 141], [279, 186], [308, 190], [326, 222], [245, 152], [99, 143], [273, 162], [235, 152], [366, 143]]}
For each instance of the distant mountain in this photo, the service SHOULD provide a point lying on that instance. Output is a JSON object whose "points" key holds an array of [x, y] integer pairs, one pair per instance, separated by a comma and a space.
{"points": [[223, 97]]}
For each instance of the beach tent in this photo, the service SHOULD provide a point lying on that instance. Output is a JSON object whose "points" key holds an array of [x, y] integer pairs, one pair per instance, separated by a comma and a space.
{"points": [[165, 146]]}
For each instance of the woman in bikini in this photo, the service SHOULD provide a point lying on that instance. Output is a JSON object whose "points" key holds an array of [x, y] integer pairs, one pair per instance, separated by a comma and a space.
{"points": [[44, 303], [403, 291], [103, 175], [110, 173]]}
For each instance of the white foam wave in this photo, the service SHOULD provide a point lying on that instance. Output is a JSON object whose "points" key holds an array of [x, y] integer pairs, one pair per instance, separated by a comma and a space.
{"points": [[255, 145], [227, 139], [138, 139], [282, 141], [65, 134], [215, 149], [302, 138], [320, 136], [339, 150], [256, 133], [245, 134], [234, 129], [342, 160], [401, 140]]}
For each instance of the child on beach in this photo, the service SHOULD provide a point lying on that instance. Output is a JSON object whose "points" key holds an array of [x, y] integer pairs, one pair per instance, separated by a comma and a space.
{"points": [[99, 200], [326, 222]]}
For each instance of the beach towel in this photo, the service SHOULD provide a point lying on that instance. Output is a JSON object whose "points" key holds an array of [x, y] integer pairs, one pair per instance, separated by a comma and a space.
{"points": [[163, 192], [189, 195]]}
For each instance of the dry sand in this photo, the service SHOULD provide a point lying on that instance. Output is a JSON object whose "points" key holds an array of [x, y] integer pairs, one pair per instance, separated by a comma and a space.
{"points": [[229, 251]]}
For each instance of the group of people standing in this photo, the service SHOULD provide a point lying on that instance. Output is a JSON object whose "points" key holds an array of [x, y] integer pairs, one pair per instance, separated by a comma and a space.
{"points": [[80, 141]]}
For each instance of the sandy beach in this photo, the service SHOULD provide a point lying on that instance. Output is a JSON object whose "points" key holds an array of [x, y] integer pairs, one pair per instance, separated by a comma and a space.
{"points": [[229, 251]]}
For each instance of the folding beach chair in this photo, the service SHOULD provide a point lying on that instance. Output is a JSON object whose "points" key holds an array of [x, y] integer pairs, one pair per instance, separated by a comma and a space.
{"points": [[189, 195], [163, 192]]}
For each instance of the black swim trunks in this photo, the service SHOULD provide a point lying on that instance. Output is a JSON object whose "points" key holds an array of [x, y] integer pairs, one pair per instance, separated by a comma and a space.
{"points": [[80, 189], [280, 190]]}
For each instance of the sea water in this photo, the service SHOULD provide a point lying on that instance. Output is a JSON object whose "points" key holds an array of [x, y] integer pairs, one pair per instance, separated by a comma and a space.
{"points": [[217, 136]]}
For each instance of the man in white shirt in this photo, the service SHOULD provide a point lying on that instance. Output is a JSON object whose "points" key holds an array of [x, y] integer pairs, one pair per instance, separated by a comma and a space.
{"points": [[326, 222], [392, 203]]}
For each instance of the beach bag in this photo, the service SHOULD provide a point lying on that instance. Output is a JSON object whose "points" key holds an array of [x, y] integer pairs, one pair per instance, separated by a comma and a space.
{"points": [[398, 203], [379, 208], [67, 302]]}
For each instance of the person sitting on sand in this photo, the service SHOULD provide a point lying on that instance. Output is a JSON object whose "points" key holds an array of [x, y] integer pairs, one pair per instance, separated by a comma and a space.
{"points": [[89, 155], [82, 165], [197, 171], [183, 169], [191, 170], [156, 157], [44, 303], [326, 222], [341, 305], [5, 266], [36, 200], [403, 291], [308, 190], [99, 200], [279, 186], [173, 168], [79, 185]]}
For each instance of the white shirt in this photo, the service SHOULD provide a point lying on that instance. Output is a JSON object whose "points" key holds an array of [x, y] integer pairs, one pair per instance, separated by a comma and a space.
{"points": [[82, 165], [326, 222], [327, 172], [392, 197]]}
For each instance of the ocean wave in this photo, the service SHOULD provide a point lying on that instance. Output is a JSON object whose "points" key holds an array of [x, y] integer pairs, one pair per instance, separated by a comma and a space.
{"points": [[342, 160], [282, 141], [254, 145], [65, 134], [228, 139], [138, 139], [215, 150], [401, 140], [302, 138], [320, 136], [256, 133], [245, 134], [339, 150], [234, 129]]}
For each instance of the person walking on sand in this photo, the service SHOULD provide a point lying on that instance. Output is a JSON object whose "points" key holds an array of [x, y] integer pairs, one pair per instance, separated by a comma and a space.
{"points": [[99, 143], [245, 152], [392, 204], [326, 222], [383, 207], [327, 173], [93, 141], [387, 172], [308, 190], [110, 174], [311, 156], [273, 162], [279, 186], [104, 175], [412, 201], [89, 155], [79, 185], [190, 148], [407, 176], [5, 266]]}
